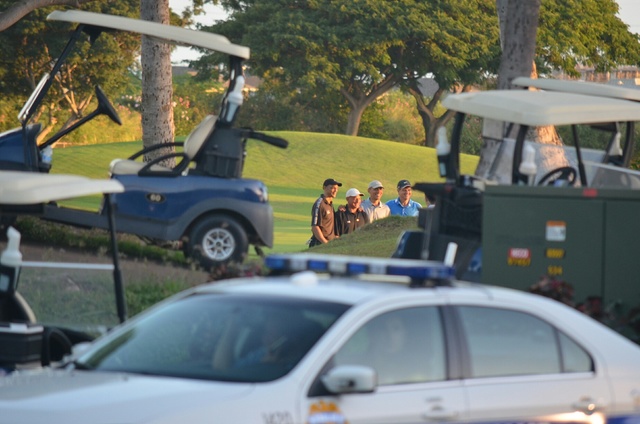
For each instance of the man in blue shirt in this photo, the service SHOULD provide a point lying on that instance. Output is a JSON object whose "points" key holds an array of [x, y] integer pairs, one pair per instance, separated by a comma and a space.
{"points": [[403, 205]]}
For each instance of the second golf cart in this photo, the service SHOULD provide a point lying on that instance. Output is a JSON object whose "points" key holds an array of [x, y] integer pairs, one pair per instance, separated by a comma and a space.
{"points": [[203, 202], [532, 211]]}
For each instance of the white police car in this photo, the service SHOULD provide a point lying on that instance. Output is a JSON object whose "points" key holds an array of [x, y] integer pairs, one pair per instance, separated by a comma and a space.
{"points": [[303, 348]]}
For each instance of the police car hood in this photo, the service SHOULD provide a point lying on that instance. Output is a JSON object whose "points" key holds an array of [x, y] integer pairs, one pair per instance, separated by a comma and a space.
{"points": [[96, 397]]}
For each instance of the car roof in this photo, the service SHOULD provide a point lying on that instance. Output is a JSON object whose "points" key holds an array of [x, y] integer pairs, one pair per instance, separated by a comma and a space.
{"points": [[354, 280], [579, 87], [169, 33], [308, 285], [542, 108], [368, 293]]}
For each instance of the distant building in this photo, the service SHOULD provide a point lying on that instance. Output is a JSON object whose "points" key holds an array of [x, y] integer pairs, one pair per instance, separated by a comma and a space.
{"points": [[428, 86], [251, 83], [182, 70], [624, 76]]}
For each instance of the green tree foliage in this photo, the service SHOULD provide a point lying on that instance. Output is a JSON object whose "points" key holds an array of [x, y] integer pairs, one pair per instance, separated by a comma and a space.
{"points": [[276, 106], [194, 98], [393, 117], [583, 32], [350, 48], [28, 51], [570, 33], [359, 50]]}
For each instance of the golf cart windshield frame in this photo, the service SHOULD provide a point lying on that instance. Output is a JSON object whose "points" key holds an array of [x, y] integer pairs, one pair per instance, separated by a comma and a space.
{"points": [[94, 24], [528, 109]]}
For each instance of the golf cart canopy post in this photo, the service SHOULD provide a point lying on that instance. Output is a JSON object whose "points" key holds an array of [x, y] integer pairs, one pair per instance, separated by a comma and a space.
{"points": [[28, 193], [175, 35], [95, 23]]}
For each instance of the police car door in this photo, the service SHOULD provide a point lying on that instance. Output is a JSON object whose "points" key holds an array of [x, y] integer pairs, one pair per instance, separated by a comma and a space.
{"points": [[522, 368], [406, 348]]}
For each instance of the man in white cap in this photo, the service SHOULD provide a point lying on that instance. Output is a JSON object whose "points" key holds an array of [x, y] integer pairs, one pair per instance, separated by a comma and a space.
{"points": [[352, 217], [373, 206]]}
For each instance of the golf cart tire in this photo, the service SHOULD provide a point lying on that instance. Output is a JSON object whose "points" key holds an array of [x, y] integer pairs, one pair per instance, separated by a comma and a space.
{"points": [[215, 240]]}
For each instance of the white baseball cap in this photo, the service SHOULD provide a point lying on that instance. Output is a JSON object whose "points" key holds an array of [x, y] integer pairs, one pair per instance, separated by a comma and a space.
{"points": [[375, 184], [353, 192]]}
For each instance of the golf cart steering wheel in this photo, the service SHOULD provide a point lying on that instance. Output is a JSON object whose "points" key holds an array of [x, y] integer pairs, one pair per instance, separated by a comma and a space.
{"points": [[105, 106], [567, 173]]}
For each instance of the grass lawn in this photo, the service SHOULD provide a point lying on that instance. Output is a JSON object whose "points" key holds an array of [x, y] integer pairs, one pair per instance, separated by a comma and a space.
{"points": [[294, 175]]}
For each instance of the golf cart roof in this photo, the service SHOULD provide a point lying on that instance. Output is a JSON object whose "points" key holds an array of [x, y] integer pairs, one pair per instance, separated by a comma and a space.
{"points": [[172, 34], [542, 108], [29, 188], [580, 87]]}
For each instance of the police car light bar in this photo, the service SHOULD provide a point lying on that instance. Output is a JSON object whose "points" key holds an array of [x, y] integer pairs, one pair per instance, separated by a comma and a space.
{"points": [[356, 265]]}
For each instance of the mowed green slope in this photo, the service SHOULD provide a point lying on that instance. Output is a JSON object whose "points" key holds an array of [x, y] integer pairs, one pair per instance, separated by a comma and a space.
{"points": [[294, 175]]}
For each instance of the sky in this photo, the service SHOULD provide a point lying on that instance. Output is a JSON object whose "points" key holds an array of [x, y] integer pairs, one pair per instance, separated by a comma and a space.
{"points": [[212, 13], [629, 12]]}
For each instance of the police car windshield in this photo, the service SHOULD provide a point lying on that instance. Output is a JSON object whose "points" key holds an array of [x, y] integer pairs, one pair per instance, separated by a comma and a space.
{"points": [[217, 336]]}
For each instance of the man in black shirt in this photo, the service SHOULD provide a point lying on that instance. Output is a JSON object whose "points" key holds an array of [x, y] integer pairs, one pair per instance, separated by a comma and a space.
{"points": [[353, 216], [323, 214]]}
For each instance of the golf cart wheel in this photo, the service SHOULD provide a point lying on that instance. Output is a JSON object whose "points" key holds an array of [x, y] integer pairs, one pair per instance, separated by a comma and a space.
{"points": [[216, 240]]}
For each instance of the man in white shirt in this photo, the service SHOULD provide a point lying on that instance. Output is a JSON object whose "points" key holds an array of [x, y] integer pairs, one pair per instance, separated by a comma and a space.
{"points": [[373, 206]]}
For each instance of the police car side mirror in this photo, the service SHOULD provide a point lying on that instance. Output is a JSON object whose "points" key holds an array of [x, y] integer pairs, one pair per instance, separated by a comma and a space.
{"points": [[350, 379]]}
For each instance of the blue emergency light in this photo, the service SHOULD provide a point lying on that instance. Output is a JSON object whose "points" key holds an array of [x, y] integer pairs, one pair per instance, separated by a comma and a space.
{"points": [[356, 265]]}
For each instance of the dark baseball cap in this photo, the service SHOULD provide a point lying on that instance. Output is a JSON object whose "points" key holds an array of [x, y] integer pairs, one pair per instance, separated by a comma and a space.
{"points": [[403, 183], [331, 181]]}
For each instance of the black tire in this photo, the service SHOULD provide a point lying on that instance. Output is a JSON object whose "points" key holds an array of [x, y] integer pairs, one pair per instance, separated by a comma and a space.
{"points": [[215, 240]]}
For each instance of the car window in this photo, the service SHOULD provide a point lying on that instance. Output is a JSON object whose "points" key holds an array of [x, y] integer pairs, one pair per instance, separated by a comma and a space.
{"points": [[219, 337], [504, 342], [574, 357], [403, 346]]}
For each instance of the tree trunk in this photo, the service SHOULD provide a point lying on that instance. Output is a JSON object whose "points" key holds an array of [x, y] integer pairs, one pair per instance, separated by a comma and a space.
{"points": [[518, 53], [354, 118], [359, 100], [553, 158], [157, 89], [426, 110], [546, 135], [520, 25]]}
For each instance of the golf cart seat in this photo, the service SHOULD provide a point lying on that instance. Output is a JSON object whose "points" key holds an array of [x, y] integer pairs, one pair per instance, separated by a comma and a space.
{"points": [[190, 148]]}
